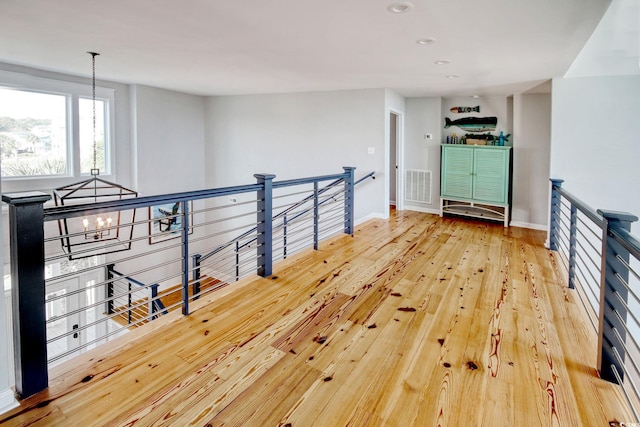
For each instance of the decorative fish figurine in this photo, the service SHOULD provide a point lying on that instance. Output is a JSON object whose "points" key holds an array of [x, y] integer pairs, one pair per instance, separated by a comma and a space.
{"points": [[475, 109], [473, 124]]}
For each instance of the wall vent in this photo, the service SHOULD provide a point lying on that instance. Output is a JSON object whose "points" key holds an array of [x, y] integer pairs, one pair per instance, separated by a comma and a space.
{"points": [[417, 186]]}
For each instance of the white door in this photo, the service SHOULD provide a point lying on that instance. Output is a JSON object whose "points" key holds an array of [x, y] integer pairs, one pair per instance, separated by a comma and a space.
{"points": [[62, 319]]}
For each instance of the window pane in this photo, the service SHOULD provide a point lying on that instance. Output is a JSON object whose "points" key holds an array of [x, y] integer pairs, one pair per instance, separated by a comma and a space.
{"points": [[33, 133], [86, 136]]}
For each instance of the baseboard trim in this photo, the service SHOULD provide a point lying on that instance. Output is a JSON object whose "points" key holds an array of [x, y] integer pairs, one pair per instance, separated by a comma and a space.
{"points": [[372, 215], [423, 210], [539, 227], [7, 401]]}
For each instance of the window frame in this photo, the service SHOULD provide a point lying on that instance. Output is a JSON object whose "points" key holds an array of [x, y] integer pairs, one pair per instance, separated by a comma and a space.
{"points": [[73, 93]]}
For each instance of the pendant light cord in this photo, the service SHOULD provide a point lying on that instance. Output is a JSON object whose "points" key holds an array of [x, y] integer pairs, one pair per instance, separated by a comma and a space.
{"points": [[93, 87]]}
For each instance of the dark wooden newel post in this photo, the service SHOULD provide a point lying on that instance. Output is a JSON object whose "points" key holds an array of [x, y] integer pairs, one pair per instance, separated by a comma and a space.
{"points": [[26, 228], [349, 196], [265, 224], [613, 296], [554, 217]]}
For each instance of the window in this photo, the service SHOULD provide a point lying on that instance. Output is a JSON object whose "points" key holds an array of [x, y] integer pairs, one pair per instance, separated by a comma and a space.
{"points": [[33, 133], [47, 129]]}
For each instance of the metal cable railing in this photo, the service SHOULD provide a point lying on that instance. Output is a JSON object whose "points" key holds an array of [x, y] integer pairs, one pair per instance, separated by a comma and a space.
{"points": [[602, 260], [118, 264]]}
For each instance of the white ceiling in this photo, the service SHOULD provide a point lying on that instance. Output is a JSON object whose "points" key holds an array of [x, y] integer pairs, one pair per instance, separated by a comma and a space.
{"points": [[214, 47]]}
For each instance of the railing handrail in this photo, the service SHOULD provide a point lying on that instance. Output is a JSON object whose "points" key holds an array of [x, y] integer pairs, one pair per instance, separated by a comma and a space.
{"points": [[70, 211], [591, 213], [627, 240]]}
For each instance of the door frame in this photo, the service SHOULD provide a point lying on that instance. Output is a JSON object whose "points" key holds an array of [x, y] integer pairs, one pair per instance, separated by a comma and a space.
{"points": [[399, 160]]}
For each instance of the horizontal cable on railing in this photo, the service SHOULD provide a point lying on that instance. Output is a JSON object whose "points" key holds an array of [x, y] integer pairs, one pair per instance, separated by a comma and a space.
{"points": [[589, 284], [623, 323], [57, 237], [165, 247], [292, 227], [89, 343], [587, 224], [210, 289], [331, 208], [80, 253], [97, 322], [629, 292], [583, 297], [565, 235], [622, 342], [228, 244], [298, 247], [595, 265], [629, 312], [624, 389], [330, 214], [629, 380], [328, 230], [224, 260], [335, 222], [631, 269], [228, 205], [282, 196], [564, 244], [230, 261], [295, 218], [596, 250], [228, 218], [293, 241], [126, 225], [563, 255]]}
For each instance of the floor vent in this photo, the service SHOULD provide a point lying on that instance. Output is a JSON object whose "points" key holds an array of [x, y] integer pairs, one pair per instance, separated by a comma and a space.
{"points": [[417, 186]]}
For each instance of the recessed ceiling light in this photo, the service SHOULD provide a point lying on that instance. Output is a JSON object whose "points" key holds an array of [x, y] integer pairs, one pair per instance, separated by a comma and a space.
{"points": [[426, 42], [442, 62], [453, 76], [401, 7], [475, 96]]}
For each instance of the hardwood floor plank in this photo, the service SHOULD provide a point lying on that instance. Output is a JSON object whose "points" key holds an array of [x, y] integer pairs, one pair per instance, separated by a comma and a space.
{"points": [[415, 321]]}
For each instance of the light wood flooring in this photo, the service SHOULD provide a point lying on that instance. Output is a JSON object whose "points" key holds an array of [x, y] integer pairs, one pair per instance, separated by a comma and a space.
{"points": [[415, 321]]}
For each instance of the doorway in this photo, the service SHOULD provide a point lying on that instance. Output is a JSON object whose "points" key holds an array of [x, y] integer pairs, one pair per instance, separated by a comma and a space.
{"points": [[394, 167]]}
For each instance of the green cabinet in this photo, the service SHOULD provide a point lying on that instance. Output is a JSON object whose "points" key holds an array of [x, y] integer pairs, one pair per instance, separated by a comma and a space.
{"points": [[475, 181]]}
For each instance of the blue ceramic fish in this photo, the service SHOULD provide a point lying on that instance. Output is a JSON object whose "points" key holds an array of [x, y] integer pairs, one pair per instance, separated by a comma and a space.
{"points": [[473, 124]]}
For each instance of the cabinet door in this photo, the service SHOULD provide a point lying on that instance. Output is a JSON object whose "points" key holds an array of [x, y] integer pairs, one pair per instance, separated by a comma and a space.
{"points": [[457, 168], [491, 173]]}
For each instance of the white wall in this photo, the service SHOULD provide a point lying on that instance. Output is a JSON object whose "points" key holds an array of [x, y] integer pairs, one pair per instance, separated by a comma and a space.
{"points": [[594, 136], [531, 151], [168, 139], [299, 135], [423, 115], [7, 400]]}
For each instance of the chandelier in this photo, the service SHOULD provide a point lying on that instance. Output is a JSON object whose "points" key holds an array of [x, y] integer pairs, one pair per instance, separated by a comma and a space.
{"points": [[102, 233]]}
